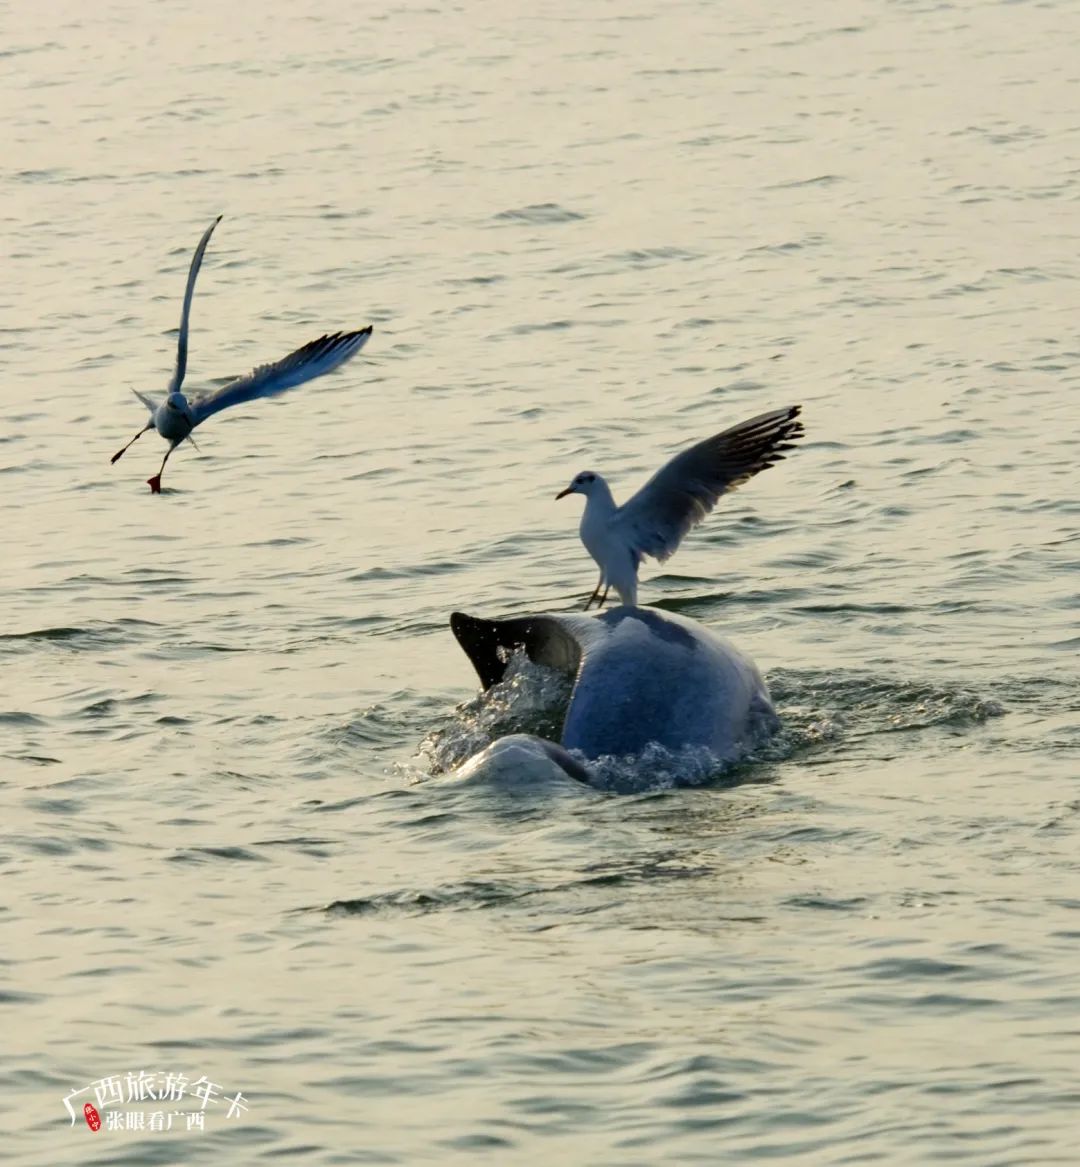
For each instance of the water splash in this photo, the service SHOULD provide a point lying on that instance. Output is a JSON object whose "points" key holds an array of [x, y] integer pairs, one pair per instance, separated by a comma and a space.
{"points": [[657, 768], [817, 710], [529, 699]]}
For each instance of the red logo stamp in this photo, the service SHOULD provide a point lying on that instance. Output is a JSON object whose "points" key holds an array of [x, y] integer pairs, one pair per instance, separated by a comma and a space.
{"points": [[93, 1119]]}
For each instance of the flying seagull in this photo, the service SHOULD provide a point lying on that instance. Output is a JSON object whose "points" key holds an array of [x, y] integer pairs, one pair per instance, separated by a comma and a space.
{"points": [[176, 416], [677, 497]]}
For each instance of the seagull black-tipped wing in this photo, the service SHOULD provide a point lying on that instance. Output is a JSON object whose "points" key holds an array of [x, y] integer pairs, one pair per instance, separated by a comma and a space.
{"points": [[185, 312], [682, 493], [310, 361]]}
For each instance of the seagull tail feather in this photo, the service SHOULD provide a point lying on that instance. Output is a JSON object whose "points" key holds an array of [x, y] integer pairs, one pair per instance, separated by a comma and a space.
{"points": [[149, 402]]}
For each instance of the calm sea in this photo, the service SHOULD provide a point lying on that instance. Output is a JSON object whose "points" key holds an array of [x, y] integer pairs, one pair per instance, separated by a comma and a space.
{"points": [[586, 236]]}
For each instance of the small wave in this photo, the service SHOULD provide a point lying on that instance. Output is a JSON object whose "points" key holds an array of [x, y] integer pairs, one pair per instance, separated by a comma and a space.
{"points": [[539, 213], [96, 635], [652, 257], [798, 183], [818, 707], [468, 896], [19, 717], [478, 895], [546, 326], [206, 854], [31, 759]]}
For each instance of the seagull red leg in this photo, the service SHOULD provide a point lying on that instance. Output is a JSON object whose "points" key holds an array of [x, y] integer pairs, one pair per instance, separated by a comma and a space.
{"points": [[155, 482]]}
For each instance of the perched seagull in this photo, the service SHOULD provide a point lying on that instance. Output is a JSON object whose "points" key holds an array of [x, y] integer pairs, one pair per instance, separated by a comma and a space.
{"points": [[175, 417], [676, 498]]}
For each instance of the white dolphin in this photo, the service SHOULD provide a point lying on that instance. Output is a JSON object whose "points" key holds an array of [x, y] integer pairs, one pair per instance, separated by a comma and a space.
{"points": [[642, 677]]}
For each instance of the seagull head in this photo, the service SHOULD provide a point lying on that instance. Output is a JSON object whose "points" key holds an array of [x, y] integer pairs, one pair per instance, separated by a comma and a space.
{"points": [[584, 483]]}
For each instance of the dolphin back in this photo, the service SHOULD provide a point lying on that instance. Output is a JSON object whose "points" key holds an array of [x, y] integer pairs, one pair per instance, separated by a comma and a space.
{"points": [[661, 678]]}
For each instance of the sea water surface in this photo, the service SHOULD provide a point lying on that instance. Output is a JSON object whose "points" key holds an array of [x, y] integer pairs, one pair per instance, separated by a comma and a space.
{"points": [[586, 235]]}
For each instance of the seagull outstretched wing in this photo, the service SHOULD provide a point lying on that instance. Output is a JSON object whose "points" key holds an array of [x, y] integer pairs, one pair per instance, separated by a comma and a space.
{"points": [[310, 361], [185, 312], [680, 494]]}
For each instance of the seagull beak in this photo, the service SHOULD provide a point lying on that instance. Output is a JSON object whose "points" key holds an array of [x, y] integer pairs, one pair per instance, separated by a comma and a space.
{"points": [[564, 493]]}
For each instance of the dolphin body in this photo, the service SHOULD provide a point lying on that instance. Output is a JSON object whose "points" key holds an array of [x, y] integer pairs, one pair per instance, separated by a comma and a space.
{"points": [[641, 677]]}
